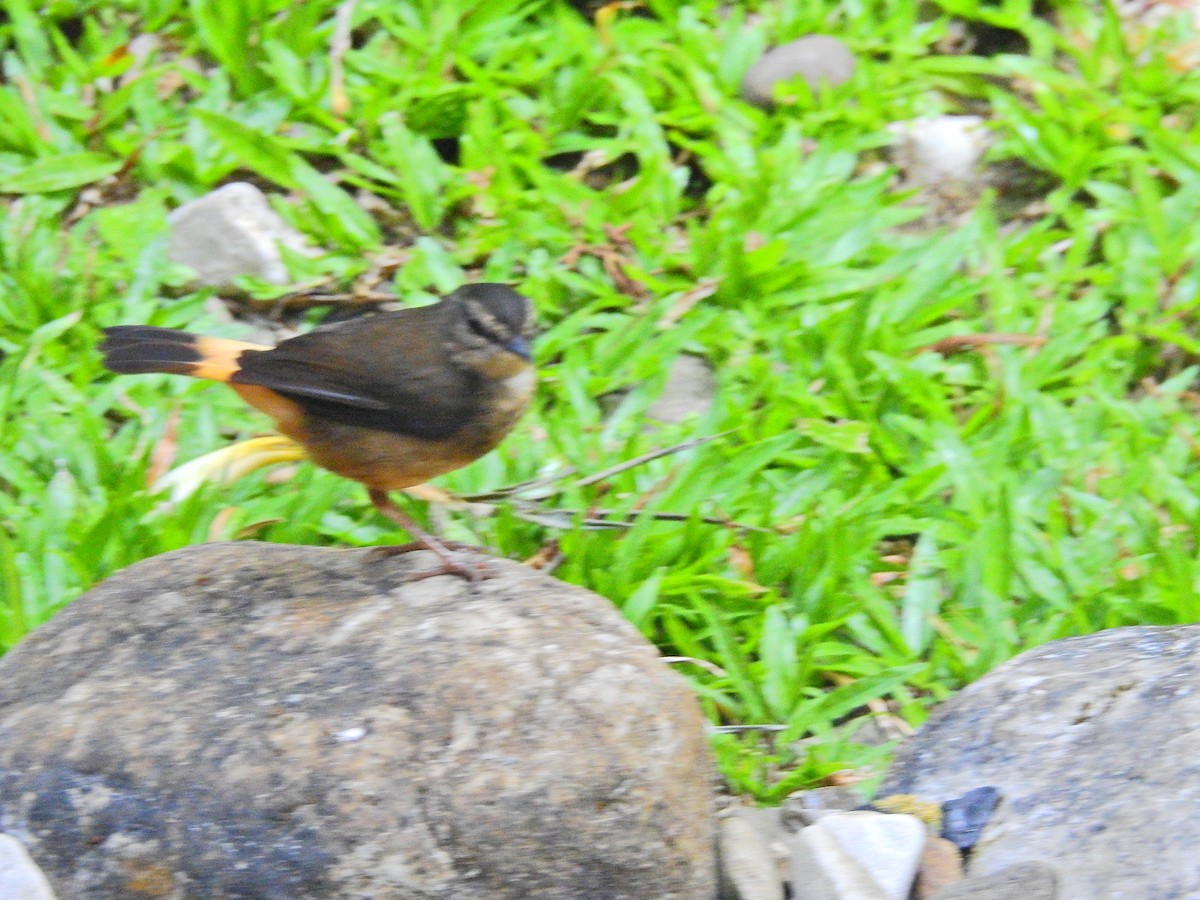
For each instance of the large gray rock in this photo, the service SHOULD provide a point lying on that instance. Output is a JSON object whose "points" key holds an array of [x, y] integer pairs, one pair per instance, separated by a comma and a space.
{"points": [[254, 720], [1090, 742], [229, 232]]}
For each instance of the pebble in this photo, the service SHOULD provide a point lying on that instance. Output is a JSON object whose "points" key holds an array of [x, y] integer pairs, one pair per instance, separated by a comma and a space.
{"points": [[964, 818], [748, 867], [819, 59], [20, 877], [857, 855], [768, 822], [939, 151], [229, 232], [689, 390], [887, 846], [941, 866], [909, 804], [822, 870]]}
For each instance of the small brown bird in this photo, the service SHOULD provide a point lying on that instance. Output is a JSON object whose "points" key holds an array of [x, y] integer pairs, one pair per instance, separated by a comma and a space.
{"points": [[389, 400]]}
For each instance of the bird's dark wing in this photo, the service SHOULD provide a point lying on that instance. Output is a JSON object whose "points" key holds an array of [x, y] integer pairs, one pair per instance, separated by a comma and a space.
{"points": [[389, 372]]}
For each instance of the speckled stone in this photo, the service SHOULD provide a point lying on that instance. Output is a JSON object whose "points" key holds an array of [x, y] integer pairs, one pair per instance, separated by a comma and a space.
{"points": [[255, 720]]}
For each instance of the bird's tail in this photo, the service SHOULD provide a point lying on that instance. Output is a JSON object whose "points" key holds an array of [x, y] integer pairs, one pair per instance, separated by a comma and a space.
{"points": [[228, 464], [136, 349]]}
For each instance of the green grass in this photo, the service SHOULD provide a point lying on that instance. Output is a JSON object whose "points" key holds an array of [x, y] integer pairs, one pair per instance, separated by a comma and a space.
{"points": [[918, 517]]}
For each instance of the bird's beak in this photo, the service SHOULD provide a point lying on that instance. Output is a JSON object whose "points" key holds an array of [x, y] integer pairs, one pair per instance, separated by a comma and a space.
{"points": [[521, 347]]}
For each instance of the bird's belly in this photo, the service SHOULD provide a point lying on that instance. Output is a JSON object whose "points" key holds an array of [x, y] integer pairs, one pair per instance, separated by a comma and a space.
{"points": [[389, 461], [383, 460]]}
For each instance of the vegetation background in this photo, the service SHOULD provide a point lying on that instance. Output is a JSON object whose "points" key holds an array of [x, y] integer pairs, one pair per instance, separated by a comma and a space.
{"points": [[918, 509]]}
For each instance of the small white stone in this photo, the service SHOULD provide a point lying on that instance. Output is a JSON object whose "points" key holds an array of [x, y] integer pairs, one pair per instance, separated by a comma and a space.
{"points": [[350, 735], [940, 149], [230, 232], [886, 846], [823, 870], [20, 877]]}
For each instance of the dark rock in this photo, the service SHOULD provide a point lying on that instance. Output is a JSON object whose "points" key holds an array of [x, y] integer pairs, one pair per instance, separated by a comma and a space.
{"points": [[1023, 881], [818, 59], [253, 720], [1090, 741], [964, 818]]}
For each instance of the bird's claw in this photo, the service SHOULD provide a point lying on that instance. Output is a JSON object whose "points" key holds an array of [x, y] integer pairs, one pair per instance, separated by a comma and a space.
{"points": [[470, 572]]}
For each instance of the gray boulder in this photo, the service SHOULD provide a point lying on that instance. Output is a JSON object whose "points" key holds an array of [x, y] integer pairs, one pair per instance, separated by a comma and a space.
{"points": [[1090, 742], [255, 720]]}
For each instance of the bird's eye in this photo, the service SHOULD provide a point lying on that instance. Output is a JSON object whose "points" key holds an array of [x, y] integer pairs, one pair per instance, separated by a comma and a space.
{"points": [[481, 329]]}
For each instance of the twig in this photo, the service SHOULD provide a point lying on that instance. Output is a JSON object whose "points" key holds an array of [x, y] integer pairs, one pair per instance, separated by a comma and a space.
{"points": [[648, 457], [703, 289], [957, 342], [711, 668], [735, 729], [535, 484]]}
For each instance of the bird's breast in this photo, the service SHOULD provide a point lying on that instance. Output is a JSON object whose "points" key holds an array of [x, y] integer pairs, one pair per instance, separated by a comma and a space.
{"points": [[508, 403]]}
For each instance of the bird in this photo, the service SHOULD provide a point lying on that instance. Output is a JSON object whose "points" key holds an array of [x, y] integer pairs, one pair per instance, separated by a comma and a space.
{"points": [[388, 400]]}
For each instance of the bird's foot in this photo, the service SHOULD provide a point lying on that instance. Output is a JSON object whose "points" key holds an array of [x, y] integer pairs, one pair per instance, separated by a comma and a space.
{"points": [[473, 572]]}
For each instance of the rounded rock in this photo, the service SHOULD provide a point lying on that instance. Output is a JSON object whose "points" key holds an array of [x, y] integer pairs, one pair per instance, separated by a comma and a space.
{"points": [[1089, 740], [819, 59], [261, 720]]}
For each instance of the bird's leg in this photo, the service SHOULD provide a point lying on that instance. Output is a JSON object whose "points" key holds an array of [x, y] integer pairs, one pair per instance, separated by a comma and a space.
{"points": [[424, 541]]}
